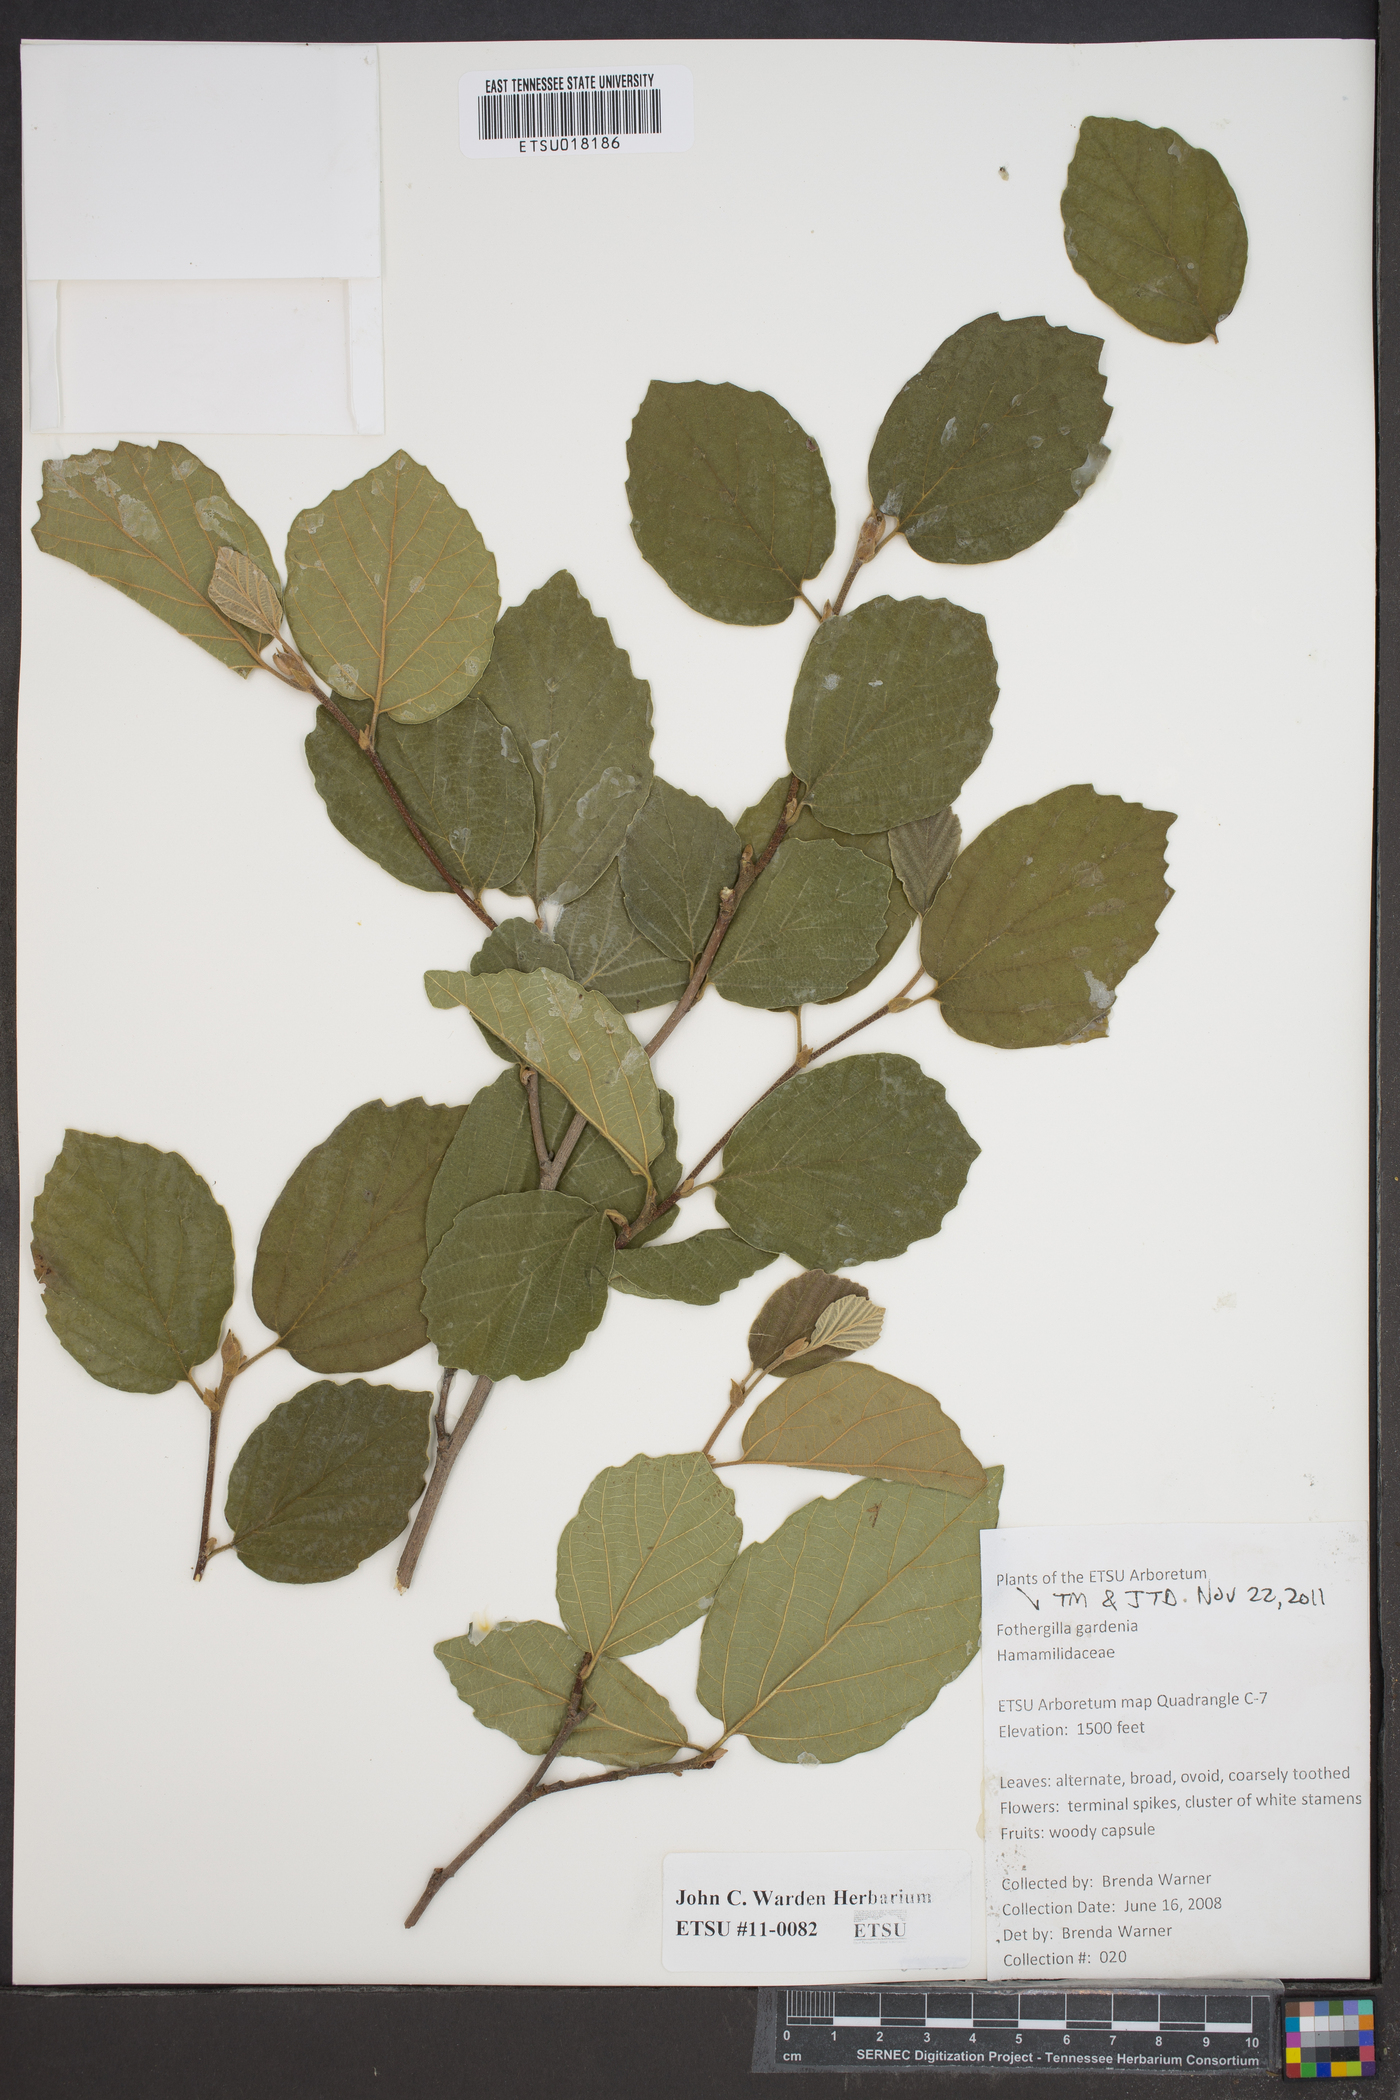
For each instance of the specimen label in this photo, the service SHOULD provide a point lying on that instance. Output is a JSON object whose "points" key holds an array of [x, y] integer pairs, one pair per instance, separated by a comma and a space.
{"points": [[1177, 1745], [838, 1913]]}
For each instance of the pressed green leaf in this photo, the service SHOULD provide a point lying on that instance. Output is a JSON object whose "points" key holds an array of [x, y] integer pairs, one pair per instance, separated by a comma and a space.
{"points": [[517, 1282], [493, 1154], [517, 944], [756, 828], [730, 500], [790, 1315], [576, 1039], [984, 451], [150, 520], [811, 923], [518, 1679], [898, 920], [697, 1271], [340, 1262], [645, 1554], [1044, 915], [678, 855], [391, 592], [1154, 228], [891, 711], [846, 1162], [608, 954], [851, 1418], [136, 1261], [826, 1638], [463, 781], [568, 694], [328, 1479], [923, 852]]}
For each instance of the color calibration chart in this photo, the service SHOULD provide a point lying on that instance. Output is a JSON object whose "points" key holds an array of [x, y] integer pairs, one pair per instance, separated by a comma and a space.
{"points": [[1329, 2038]]}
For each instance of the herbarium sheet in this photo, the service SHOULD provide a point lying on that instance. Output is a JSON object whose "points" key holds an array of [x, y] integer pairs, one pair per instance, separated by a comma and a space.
{"points": [[810, 579]]}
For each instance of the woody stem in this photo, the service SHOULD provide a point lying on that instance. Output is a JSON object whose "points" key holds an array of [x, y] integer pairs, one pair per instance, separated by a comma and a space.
{"points": [[338, 714], [449, 1450]]}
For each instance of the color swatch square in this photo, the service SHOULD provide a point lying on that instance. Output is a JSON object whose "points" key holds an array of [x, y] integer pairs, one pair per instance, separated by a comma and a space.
{"points": [[1329, 2038]]}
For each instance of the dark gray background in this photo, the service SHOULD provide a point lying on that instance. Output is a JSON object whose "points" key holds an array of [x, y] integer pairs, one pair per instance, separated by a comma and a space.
{"points": [[406, 2044]]}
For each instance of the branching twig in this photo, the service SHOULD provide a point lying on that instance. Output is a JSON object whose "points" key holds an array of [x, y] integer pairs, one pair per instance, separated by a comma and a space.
{"points": [[294, 672], [873, 536], [704, 1762], [729, 902], [233, 1360], [573, 1714], [739, 1392], [533, 1790], [449, 1450], [742, 1390], [686, 1186], [549, 1178]]}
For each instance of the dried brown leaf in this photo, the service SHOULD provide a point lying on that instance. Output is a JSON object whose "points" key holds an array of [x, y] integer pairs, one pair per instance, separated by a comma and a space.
{"points": [[239, 588], [849, 1324]]}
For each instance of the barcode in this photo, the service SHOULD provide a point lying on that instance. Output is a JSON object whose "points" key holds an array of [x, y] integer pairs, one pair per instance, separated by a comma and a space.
{"points": [[596, 113], [558, 111]]}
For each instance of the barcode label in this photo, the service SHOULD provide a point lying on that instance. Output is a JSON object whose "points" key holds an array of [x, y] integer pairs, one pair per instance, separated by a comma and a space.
{"points": [[591, 115], [523, 114]]}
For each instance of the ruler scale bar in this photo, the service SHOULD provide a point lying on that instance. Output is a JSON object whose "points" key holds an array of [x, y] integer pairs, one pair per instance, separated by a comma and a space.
{"points": [[1027, 2027], [1087, 2029]]}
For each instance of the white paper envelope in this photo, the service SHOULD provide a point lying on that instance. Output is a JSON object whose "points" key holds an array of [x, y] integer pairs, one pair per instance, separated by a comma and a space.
{"points": [[202, 233]]}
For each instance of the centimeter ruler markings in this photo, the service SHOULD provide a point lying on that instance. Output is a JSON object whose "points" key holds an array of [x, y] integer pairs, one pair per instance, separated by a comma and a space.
{"points": [[805, 2029]]}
